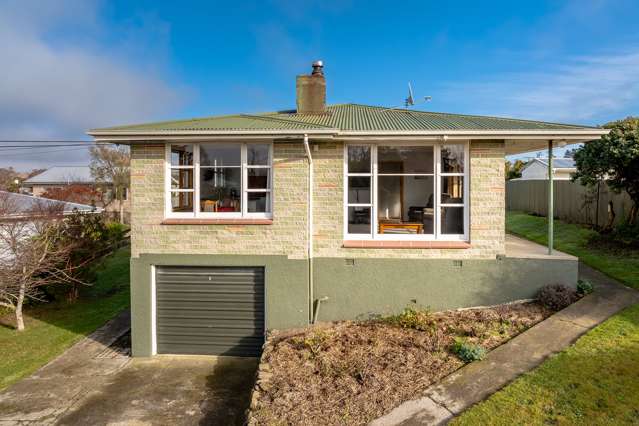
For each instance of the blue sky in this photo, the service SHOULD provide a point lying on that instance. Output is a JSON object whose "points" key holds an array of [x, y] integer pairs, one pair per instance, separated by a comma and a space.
{"points": [[77, 64]]}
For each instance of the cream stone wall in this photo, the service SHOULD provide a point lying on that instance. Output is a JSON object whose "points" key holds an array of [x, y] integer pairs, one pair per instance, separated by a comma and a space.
{"points": [[287, 234], [487, 207]]}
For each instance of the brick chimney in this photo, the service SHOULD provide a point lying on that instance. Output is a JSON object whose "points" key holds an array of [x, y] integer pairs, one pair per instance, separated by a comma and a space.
{"points": [[311, 91]]}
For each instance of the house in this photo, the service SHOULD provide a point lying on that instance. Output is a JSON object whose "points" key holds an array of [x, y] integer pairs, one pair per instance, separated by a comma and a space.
{"points": [[57, 178], [247, 222], [537, 168], [24, 207], [20, 215]]}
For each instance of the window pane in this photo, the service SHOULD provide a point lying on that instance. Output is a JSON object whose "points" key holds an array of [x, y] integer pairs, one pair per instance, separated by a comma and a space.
{"points": [[258, 178], [359, 220], [452, 158], [220, 154], [220, 189], [181, 155], [405, 159], [452, 220], [257, 154], [359, 190], [452, 189], [405, 204], [359, 159], [181, 202], [181, 178], [258, 202]]}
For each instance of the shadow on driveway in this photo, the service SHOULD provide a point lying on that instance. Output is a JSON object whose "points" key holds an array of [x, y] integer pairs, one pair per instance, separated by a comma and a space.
{"points": [[177, 390], [95, 382]]}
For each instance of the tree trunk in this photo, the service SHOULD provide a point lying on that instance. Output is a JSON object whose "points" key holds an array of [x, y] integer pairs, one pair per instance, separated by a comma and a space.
{"points": [[611, 216], [19, 316], [633, 214], [121, 201]]}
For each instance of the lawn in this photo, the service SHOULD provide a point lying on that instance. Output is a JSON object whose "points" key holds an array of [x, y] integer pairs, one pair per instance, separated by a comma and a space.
{"points": [[573, 239], [52, 328], [595, 381]]}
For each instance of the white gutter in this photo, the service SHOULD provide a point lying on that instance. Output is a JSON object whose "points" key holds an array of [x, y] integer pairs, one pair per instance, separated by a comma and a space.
{"points": [[309, 228]]}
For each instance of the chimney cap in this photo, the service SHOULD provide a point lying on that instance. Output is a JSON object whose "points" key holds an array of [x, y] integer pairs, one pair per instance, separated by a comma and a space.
{"points": [[317, 67]]}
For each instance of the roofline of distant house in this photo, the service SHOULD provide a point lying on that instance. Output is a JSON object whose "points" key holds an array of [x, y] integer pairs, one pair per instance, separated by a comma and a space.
{"points": [[545, 163], [127, 137], [66, 182]]}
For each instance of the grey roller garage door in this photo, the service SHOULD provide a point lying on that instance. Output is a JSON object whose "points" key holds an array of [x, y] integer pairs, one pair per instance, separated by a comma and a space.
{"points": [[212, 311]]}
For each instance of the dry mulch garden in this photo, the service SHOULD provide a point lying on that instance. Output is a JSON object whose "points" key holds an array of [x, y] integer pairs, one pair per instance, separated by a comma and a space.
{"points": [[353, 372]]}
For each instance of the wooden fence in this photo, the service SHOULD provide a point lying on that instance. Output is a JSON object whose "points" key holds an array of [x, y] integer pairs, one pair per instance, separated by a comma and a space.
{"points": [[573, 202]]}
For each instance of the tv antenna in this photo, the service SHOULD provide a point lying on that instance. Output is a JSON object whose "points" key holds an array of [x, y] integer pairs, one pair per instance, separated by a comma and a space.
{"points": [[410, 100]]}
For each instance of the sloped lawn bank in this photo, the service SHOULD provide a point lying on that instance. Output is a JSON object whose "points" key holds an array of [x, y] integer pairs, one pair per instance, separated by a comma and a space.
{"points": [[353, 372]]}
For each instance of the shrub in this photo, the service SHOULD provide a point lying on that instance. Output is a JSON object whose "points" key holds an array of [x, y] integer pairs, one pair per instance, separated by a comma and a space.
{"points": [[418, 319], [468, 352], [584, 287], [315, 342], [556, 296]]}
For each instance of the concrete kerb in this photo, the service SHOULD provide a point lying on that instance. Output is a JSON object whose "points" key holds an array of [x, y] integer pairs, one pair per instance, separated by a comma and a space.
{"points": [[476, 381]]}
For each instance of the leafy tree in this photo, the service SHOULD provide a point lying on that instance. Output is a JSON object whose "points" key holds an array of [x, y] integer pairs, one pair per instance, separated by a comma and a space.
{"points": [[570, 153], [614, 159], [110, 167], [33, 254], [513, 170], [76, 193]]}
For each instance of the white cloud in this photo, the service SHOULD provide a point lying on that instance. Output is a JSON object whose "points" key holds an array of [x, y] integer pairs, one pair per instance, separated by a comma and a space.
{"points": [[588, 88], [54, 89]]}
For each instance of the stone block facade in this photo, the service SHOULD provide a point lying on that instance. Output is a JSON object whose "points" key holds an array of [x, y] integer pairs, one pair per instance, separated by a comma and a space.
{"points": [[287, 234]]}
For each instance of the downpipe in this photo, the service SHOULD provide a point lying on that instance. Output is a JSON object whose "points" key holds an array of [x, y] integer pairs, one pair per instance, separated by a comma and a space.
{"points": [[309, 229]]}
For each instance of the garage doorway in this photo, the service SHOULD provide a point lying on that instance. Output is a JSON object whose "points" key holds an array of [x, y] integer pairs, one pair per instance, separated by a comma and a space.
{"points": [[209, 310]]}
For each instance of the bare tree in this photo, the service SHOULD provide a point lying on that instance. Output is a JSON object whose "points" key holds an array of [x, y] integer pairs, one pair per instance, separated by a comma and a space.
{"points": [[110, 167], [31, 255]]}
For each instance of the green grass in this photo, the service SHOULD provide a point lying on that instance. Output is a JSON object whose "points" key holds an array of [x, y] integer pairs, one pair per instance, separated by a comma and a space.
{"points": [[596, 381], [573, 239], [52, 328]]}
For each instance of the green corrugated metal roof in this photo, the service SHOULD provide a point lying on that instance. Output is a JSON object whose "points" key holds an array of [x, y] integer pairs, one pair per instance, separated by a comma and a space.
{"points": [[346, 117]]}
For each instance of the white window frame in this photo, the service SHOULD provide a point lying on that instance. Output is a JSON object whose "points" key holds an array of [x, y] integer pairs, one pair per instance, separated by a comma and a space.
{"points": [[437, 205], [244, 166]]}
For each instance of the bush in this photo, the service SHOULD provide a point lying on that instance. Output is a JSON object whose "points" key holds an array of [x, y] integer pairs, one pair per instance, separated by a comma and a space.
{"points": [[417, 319], [468, 352], [556, 296], [584, 287]]}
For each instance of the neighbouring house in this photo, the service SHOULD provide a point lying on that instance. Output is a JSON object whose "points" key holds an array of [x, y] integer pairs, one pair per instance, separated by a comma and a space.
{"points": [[55, 179], [27, 211], [537, 168], [248, 222]]}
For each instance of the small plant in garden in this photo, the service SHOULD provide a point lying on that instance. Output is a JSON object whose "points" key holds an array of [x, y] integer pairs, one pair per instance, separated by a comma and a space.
{"points": [[418, 319], [468, 352], [314, 342], [556, 296], [584, 287]]}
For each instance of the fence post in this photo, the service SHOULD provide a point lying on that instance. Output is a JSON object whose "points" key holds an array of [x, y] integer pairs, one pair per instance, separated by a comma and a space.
{"points": [[551, 213]]}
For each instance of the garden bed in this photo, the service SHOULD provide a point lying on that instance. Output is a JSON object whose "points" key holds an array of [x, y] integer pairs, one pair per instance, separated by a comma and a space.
{"points": [[353, 372]]}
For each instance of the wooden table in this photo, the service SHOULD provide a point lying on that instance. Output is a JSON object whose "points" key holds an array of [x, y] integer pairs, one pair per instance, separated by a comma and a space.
{"points": [[417, 227]]}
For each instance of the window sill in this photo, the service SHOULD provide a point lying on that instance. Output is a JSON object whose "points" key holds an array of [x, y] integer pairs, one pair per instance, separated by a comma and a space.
{"points": [[246, 221], [406, 244]]}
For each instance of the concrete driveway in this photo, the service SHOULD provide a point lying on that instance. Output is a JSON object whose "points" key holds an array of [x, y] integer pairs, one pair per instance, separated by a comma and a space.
{"points": [[95, 382]]}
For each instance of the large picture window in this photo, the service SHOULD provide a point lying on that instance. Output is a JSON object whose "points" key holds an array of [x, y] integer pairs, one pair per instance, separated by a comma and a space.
{"points": [[219, 180], [406, 192]]}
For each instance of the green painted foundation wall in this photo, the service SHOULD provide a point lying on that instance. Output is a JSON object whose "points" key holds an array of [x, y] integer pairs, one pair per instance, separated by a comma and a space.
{"points": [[359, 288], [362, 288]]}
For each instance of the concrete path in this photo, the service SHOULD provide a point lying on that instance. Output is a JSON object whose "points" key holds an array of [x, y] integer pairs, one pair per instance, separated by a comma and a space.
{"points": [[95, 382], [477, 381]]}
